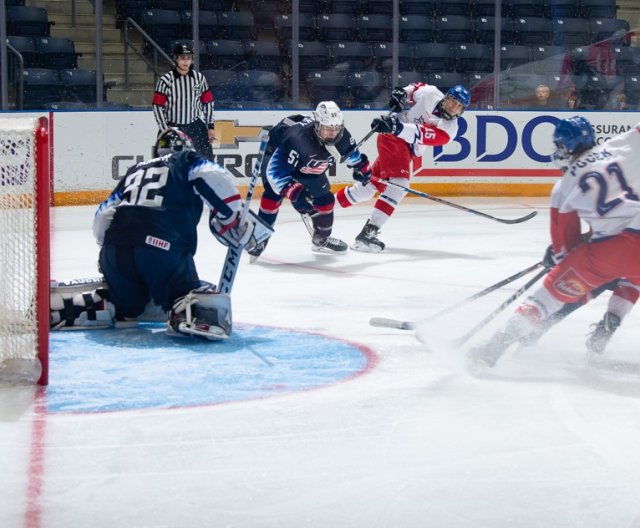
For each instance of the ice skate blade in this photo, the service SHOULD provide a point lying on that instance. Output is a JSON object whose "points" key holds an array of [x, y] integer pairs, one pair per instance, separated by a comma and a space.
{"points": [[364, 248], [328, 251]]}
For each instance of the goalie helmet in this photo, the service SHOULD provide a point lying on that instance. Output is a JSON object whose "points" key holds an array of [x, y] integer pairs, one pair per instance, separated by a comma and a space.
{"points": [[455, 101], [329, 122], [571, 137], [172, 140]]}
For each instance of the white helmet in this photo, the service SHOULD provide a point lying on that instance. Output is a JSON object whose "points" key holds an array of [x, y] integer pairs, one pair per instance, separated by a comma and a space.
{"points": [[329, 122]]}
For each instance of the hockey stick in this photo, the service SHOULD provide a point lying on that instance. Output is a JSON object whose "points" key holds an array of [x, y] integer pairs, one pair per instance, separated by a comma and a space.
{"points": [[463, 208], [232, 260], [463, 339], [361, 142], [358, 145], [411, 325], [307, 220]]}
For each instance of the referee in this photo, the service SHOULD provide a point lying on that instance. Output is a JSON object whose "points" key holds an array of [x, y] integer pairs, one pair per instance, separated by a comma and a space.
{"points": [[182, 99]]}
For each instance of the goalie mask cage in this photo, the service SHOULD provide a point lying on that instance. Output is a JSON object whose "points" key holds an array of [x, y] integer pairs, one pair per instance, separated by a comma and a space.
{"points": [[24, 260]]}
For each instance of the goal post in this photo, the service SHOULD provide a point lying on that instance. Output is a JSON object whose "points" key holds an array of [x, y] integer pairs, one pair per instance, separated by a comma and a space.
{"points": [[25, 181]]}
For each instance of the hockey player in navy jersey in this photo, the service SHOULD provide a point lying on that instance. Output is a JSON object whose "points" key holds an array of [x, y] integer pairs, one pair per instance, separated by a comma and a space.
{"points": [[147, 230], [298, 154]]}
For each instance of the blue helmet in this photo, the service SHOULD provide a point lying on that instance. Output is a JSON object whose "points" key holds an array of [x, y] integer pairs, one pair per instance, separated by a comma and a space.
{"points": [[460, 94], [573, 136]]}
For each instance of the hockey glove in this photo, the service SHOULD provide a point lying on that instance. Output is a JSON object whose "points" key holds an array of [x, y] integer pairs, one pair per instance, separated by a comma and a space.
{"points": [[551, 259], [397, 100], [300, 199], [230, 231], [388, 124], [362, 170]]}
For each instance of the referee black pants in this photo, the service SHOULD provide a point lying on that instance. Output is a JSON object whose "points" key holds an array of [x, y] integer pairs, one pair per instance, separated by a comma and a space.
{"points": [[197, 131]]}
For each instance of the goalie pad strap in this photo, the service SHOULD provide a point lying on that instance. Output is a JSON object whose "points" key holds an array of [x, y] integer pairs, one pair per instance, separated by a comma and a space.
{"points": [[90, 306], [81, 310]]}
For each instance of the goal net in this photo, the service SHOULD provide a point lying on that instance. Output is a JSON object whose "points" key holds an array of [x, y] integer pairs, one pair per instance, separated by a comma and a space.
{"points": [[24, 239]]}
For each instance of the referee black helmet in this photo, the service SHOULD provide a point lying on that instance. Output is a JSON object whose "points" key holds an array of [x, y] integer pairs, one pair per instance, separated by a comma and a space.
{"points": [[182, 48]]}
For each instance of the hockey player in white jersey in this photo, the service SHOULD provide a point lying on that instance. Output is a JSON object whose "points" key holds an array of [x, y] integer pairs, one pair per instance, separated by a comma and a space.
{"points": [[600, 187], [421, 116]]}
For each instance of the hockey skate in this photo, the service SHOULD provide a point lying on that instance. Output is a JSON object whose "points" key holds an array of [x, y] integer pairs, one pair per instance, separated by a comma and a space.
{"points": [[367, 241], [487, 355], [330, 245], [601, 334]]}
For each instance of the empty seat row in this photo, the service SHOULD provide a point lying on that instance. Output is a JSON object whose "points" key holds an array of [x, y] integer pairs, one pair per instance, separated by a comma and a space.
{"points": [[257, 86], [135, 8], [466, 57], [426, 57], [28, 21], [454, 28], [164, 26], [43, 52], [42, 86], [512, 8]]}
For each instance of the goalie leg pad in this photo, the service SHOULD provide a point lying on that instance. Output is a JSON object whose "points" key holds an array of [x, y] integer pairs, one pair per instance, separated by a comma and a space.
{"points": [[81, 311], [206, 315]]}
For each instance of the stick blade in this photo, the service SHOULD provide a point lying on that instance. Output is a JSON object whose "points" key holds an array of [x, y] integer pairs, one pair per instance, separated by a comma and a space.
{"points": [[385, 322], [518, 220]]}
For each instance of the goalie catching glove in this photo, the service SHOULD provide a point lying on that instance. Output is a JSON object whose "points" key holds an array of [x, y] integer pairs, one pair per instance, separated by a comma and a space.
{"points": [[387, 124], [232, 232], [362, 170]]}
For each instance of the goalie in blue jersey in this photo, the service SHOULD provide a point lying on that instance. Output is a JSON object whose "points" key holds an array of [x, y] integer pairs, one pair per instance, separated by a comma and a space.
{"points": [[147, 230]]}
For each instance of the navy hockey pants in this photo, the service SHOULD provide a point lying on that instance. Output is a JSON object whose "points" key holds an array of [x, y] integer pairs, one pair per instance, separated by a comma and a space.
{"points": [[137, 274]]}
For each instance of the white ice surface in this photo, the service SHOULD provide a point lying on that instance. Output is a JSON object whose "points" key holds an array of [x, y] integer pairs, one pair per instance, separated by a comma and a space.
{"points": [[544, 440]]}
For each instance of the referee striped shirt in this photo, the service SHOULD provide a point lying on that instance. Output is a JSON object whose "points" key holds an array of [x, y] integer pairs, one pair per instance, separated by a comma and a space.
{"points": [[181, 99]]}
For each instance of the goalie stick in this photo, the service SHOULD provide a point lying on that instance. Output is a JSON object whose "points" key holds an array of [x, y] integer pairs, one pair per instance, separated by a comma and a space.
{"points": [[463, 339], [412, 325], [462, 207], [232, 260]]}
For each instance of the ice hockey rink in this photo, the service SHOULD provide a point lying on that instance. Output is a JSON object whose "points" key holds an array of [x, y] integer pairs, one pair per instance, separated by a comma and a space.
{"points": [[407, 436]]}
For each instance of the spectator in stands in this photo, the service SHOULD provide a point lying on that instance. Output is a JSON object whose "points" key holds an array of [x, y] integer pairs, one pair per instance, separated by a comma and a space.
{"points": [[573, 100], [542, 95], [618, 102], [183, 100]]}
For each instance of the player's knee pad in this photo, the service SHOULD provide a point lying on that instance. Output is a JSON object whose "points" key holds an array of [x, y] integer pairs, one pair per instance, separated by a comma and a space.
{"points": [[206, 315], [356, 193], [393, 194], [84, 310]]}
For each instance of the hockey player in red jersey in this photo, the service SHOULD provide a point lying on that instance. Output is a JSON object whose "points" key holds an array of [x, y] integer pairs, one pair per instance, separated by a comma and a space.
{"points": [[421, 116], [599, 187]]}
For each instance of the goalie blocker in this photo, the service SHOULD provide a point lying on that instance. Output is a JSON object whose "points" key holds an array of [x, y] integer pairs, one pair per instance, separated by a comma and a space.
{"points": [[83, 304]]}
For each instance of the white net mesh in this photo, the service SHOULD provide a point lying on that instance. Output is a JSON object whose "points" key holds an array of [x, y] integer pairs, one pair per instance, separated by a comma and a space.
{"points": [[18, 271]]}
